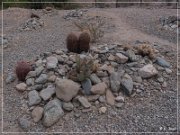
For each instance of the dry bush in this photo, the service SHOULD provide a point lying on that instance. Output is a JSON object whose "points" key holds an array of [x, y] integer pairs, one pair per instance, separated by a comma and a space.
{"points": [[146, 50], [93, 25]]}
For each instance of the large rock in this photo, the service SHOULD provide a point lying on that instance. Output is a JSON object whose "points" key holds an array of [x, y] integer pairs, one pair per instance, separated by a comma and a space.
{"points": [[148, 71], [115, 81], [66, 89], [52, 62], [120, 58], [34, 98], [52, 112], [99, 88], [47, 93], [162, 62]]}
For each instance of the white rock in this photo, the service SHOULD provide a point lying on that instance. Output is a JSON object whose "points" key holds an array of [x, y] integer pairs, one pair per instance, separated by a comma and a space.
{"points": [[120, 58], [52, 62], [21, 87], [148, 71]]}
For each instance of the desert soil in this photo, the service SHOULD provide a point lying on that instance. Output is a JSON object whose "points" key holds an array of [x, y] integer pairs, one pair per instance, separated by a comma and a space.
{"points": [[155, 111]]}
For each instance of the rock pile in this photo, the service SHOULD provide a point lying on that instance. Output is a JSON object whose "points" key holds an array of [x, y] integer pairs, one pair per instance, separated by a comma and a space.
{"points": [[32, 24], [119, 75], [75, 14], [170, 23]]}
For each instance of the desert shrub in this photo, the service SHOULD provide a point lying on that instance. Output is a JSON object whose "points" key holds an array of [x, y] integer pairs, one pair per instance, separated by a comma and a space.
{"points": [[22, 69], [84, 67], [145, 50], [93, 25]]}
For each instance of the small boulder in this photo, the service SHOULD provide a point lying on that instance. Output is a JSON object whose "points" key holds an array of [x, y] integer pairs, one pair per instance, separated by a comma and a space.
{"points": [[66, 89], [37, 114], [148, 71], [52, 62], [41, 79], [21, 87], [110, 97], [99, 88], [33, 98], [47, 93], [84, 102], [68, 106], [120, 58]]}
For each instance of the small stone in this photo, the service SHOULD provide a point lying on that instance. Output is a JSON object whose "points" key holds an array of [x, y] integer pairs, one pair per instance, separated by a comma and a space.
{"points": [[164, 84], [68, 106], [92, 98], [21, 87], [52, 62], [24, 123], [131, 55], [52, 78], [137, 79], [102, 99], [127, 85], [60, 59], [33, 98], [38, 63], [119, 99], [37, 87], [111, 57], [37, 114], [52, 112], [107, 68], [95, 79], [99, 88], [31, 74], [10, 78], [102, 74], [162, 62], [160, 79], [148, 71], [30, 81], [119, 105], [38, 71], [41, 79], [86, 85], [84, 102], [120, 58], [168, 71], [47, 93], [110, 97], [102, 110], [66, 89]]}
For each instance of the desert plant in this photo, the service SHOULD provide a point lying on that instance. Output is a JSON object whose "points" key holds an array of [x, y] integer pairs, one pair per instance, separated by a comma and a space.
{"points": [[72, 43], [22, 69], [145, 50], [95, 27], [84, 67], [84, 40]]}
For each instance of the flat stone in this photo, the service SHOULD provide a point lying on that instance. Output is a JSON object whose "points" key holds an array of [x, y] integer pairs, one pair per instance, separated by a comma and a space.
{"points": [[52, 112], [162, 62], [66, 89], [99, 88], [21, 87], [47, 93], [52, 62], [120, 58], [37, 114], [84, 102], [110, 97], [95, 79], [148, 71], [33, 98]]}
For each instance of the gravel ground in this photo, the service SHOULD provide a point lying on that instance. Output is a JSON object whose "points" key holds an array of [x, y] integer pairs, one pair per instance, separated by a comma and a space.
{"points": [[155, 111]]}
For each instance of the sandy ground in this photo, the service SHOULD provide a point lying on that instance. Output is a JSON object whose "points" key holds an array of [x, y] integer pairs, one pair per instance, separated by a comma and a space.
{"points": [[154, 112]]}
